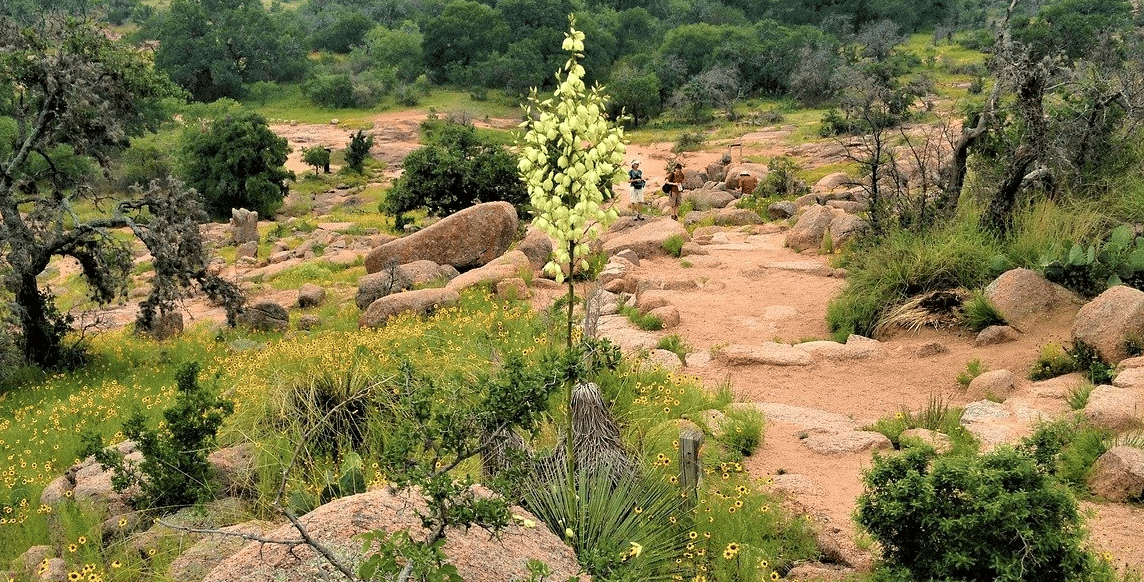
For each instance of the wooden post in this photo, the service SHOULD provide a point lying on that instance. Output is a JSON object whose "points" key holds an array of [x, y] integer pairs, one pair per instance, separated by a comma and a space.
{"points": [[689, 466]]}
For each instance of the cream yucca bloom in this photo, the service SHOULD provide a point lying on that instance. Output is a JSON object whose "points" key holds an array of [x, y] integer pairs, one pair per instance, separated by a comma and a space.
{"points": [[569, 157]]}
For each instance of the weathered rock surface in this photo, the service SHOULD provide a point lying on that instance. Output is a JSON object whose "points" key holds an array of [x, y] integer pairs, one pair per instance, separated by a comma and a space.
{"points": [[996, 334], [1025, 299], [265, 316], [1116, 409], [477, 556], [417, 301], [646, 239], [1118, 475], [856, 441], [1111, 319], [768, 354], [195, 563], [992, 385], [469, 238], [244, 226], [808, 232], [311, 295]]}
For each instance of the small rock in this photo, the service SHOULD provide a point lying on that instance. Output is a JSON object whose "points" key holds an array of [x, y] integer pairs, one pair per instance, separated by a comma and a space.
{"points": [[992, 385], [513, 288], [668, 314], [996, 334], [927, 349], [848, 442], [265, 316], [246, 250], [311, 295], [1129, 378], [1118, 475], [308, 322], [665, 359]]}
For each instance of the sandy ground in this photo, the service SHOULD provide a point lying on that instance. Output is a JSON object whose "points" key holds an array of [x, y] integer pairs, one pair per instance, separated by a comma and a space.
{"points": [[749, 297]]}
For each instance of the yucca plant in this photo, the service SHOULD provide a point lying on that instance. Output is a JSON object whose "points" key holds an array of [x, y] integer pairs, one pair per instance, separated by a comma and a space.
{"points": [[630, 528]]}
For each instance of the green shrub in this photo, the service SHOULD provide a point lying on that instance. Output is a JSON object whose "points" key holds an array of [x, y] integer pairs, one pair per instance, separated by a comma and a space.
{"points": [[1067, 450], [781, 180], [1052, 362], [674, 245], [357, 151], [1089, 362], [743, 431], [174, 472], [973, 369], [989, 517], [978, 313], [690, 140], [644, 321], [675, 344]]}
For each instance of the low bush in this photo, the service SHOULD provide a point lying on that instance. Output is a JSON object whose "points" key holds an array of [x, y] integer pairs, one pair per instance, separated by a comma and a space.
{"points": [[174, 472], [1053, 361], [674, 245], [991, 517], [674, 344], [690, 140], [1067, 450]]}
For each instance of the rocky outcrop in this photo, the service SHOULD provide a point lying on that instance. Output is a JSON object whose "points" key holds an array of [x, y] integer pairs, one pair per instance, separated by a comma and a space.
{"points": [[810, 229], [467, 239], [477, 555], [645, 240], [244, 226], [1118, 475], [708, 199], [417, 301], [1026, 299], [264, 316], [195, 563], [311, 295], [1110, 320]]}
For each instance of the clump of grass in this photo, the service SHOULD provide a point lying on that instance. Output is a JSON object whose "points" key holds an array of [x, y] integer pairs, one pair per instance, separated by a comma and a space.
{"points": [[905, 264], [973, 369], [675, 344], [1077, 396], [937, 416], [674, 245], [1052, 362], [644, 321], [743, 431], [978, 313]]}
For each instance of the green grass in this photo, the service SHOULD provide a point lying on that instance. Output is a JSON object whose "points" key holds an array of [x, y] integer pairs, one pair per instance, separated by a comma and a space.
{"points": [[44, 416], [937, 416]]}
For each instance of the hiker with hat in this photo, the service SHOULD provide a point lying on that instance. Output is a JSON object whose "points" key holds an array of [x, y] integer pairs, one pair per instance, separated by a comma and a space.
{"points": [[636, 185], [747, 183], [673, 187]]}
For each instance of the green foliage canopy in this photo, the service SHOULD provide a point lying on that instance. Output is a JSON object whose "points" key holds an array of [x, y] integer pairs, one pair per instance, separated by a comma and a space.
{"points": [[456, 169], [236, 162], [213, 48], [993, 517]]}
